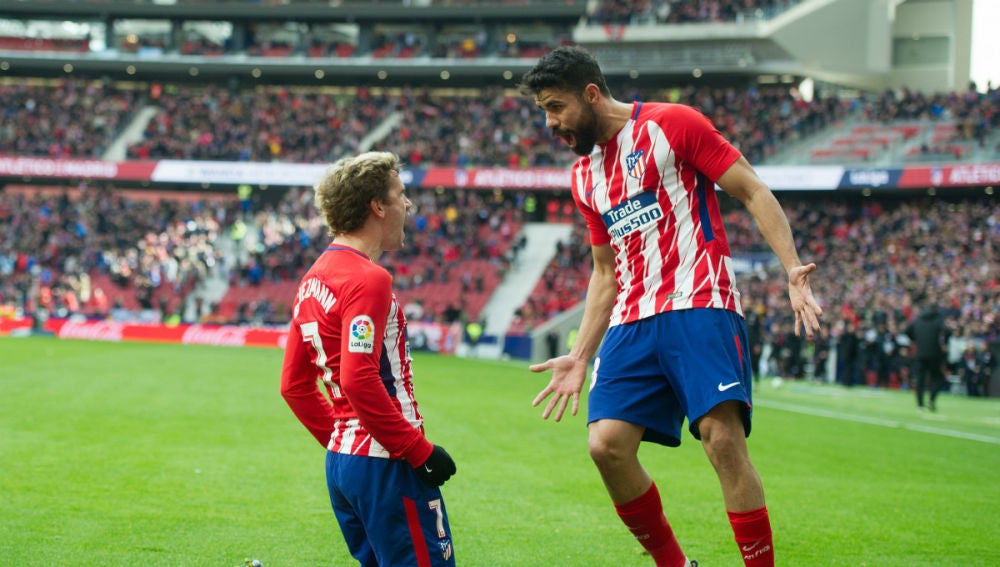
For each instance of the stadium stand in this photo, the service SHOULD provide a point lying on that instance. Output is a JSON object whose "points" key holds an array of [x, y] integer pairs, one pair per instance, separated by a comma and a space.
{"points": [[437, 126], [65, 118], [142, 250], [300, 124], [63, 248], [213, 122], [647, 12], [889, 251], [458, 246]]}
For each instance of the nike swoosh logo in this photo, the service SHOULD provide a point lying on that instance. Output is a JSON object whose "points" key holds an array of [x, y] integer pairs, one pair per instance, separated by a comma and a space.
{"points": [[750, 547], [428, 469], [724, 387]]}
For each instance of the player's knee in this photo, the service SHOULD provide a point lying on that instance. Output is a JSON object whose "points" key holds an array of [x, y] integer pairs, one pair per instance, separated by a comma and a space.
{"points": [[605, 453], [722, 424], [724, 444], [719, 437], [720, 434]]}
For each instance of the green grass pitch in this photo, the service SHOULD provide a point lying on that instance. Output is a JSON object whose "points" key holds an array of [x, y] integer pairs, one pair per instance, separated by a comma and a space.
{"points": [[144, 454]]}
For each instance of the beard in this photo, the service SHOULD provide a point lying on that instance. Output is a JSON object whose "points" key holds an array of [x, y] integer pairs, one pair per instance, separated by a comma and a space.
{"points": [[584, 136]]}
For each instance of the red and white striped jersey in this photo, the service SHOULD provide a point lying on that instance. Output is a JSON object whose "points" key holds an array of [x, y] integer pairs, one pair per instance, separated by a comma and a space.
{"points": [[650, 193], [348, 333]]}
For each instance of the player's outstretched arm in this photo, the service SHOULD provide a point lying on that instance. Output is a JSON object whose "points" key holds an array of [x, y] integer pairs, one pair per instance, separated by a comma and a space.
{"points": [[570, 371], [742, 182]]}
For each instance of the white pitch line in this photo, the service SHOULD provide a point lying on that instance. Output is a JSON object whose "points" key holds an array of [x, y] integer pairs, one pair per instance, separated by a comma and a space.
{"points": [[877, 421]]}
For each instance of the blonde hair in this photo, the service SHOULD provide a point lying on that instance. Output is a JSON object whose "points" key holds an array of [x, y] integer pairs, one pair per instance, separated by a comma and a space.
{"points": [[347, 188]]}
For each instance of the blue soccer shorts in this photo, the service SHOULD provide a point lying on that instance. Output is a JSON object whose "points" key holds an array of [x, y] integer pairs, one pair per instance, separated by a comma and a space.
{"points": [[388, 516], [657, 371]]}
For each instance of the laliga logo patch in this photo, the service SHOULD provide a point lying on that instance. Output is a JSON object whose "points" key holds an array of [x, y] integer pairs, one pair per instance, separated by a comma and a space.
{"points": [[362, 335], [634, 164]]}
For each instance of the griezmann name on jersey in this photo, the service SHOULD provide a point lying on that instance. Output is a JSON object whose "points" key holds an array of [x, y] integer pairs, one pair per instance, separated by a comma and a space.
{"points": [[348, 333]]}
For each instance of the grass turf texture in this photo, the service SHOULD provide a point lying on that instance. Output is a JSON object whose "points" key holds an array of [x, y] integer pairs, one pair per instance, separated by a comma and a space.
{"points": [[145, 454]]}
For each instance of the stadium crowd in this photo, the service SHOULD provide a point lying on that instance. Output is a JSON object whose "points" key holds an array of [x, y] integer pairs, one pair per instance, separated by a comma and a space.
{"points": [[427, 127], [458, 246], [69, 118], [62, 250], [442, 129], [93, 249], [419, 40], [215, 122], [646, 12], [888, 255]]}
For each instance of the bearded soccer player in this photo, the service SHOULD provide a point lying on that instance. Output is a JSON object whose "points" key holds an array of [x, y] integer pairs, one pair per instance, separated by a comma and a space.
{"points": [[347, 376], [661, 297]]}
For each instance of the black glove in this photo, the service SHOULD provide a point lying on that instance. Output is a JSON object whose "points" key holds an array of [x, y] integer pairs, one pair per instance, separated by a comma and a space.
{"points": [[438, 468]]}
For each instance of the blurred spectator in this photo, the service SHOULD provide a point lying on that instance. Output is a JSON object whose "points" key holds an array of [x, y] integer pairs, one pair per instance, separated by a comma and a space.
{"points": [[976, 369], [275, 124], [459, 244], [63, 118], [485, 128], [642, 12], [886, 252], [929, 334], [81, 251]]}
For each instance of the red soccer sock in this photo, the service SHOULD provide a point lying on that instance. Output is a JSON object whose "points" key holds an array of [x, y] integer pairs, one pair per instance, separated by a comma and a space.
{"points": [[753, 536], [644, 518]]}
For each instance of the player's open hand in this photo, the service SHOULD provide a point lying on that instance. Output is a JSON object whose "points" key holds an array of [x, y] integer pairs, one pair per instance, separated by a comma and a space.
{"points": [[807, 310], [568, 375]]}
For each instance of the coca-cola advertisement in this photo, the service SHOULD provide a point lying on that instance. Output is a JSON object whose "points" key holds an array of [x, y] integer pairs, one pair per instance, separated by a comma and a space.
{"points": [[428, 336]]}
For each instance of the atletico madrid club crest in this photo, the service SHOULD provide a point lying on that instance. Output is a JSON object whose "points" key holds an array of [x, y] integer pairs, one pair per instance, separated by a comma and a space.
{"points": [[635, 165]]}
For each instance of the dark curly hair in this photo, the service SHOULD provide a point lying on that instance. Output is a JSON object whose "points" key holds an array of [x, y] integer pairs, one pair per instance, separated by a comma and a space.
{"points": [[569, 68]]}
